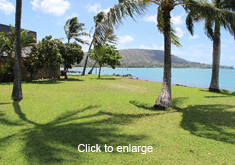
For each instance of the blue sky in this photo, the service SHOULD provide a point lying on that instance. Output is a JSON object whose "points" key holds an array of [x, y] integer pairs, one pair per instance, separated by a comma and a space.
{"points": [[47, 17]]}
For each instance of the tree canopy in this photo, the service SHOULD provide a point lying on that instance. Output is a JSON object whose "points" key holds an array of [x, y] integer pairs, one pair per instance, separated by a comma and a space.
{"points": [[71, 53], [45, 53], [105, 54]]}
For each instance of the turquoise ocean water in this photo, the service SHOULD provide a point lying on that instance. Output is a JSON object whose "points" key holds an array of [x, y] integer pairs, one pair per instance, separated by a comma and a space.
{"points": [[192, 77]]}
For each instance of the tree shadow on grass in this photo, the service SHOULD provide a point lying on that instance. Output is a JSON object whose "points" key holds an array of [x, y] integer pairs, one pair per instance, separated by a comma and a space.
{"points": [[104, 78], [52, 81], [208, 121], [45, 81], [222, 93], [145, 106], [70, 79], [4, 103], [57, 141], [5, 121]]}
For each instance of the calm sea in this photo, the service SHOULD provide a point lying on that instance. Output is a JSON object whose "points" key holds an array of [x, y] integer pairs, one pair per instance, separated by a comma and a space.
{"points": [[192, 77]]}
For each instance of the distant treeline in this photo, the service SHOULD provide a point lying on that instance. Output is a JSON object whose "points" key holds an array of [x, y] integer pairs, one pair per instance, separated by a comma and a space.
{"points": [[160, 65]]}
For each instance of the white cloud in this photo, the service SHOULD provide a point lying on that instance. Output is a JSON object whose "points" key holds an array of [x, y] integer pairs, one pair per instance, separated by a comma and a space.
{"points": [[35, 4], [95, 8], [106, 10], [7, 7], [179, 32], [125, 39], [194, 37], [54, 7], [154, 46], [151, 18], [177, 20]]}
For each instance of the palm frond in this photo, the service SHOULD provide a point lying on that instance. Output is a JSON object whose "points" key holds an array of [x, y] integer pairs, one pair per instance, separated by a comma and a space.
{"points": [[216, 14], [189, 24], [160, 26], [125, 8], [79, 40], [74, 29]]}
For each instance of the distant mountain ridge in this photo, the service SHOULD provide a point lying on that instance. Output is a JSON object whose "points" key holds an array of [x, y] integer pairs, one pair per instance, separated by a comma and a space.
{"points": [[151, 58], [147, 57]]}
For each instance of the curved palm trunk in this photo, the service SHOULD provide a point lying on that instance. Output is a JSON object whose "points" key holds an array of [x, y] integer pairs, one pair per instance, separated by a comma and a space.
{"points": [[90, 72], [84, 69], [214, 85], [17, 88], [164, 99]]}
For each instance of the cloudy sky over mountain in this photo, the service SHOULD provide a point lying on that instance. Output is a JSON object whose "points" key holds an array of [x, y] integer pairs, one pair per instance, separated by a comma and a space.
{"points": [[47, 17]]}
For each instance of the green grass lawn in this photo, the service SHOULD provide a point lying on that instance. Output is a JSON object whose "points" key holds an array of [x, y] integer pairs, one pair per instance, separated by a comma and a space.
{"points": [[57, 115]]}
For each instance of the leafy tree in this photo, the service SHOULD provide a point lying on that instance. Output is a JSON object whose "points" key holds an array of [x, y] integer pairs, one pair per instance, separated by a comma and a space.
{"points": [[213, 23], [17, 87], [71, 53], [74, 30], [46, 53], [3, 43], [105, 54]]}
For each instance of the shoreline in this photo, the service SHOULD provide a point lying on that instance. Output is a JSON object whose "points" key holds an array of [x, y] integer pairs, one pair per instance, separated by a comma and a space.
{"points": [[129, 76], [191, 77]]}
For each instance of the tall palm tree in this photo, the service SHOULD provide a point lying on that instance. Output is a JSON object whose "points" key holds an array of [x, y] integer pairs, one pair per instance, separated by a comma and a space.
{"points": [[97, 36], [109, 37], [130, 8], [164, 25], [74, 30], [17, 88], [213, 23]]}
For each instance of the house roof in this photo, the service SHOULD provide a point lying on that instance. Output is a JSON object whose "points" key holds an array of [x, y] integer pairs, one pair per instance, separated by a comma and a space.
{"points": [[6, 28]]}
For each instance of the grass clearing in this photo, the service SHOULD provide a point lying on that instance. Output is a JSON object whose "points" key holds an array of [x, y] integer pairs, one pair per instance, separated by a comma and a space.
{"points": [[57, 115]]}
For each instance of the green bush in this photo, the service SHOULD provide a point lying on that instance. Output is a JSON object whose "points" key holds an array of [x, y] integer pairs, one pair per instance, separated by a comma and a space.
{"points": [[6, 73]]}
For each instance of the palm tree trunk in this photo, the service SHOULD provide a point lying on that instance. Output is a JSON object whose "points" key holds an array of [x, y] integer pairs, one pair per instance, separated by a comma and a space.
{"points": [[214, 85], [164, 99], [84, 69], [17, 88], [99, 71], [90, 72]]}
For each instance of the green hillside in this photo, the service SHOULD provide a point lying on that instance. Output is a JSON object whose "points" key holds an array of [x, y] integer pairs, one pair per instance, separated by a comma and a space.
{"points": [[151, 58], [144, 57]]}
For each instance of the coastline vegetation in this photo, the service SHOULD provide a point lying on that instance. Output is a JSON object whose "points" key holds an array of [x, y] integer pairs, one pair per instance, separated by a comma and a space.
{"points": [[158, 65]]}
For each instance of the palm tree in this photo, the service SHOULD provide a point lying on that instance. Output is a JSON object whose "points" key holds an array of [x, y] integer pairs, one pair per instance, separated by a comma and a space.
{"points": [[97, 36], [109, 37], [213, 24], [131, 8], [17, 88], [164, 25], [73, 30]]}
